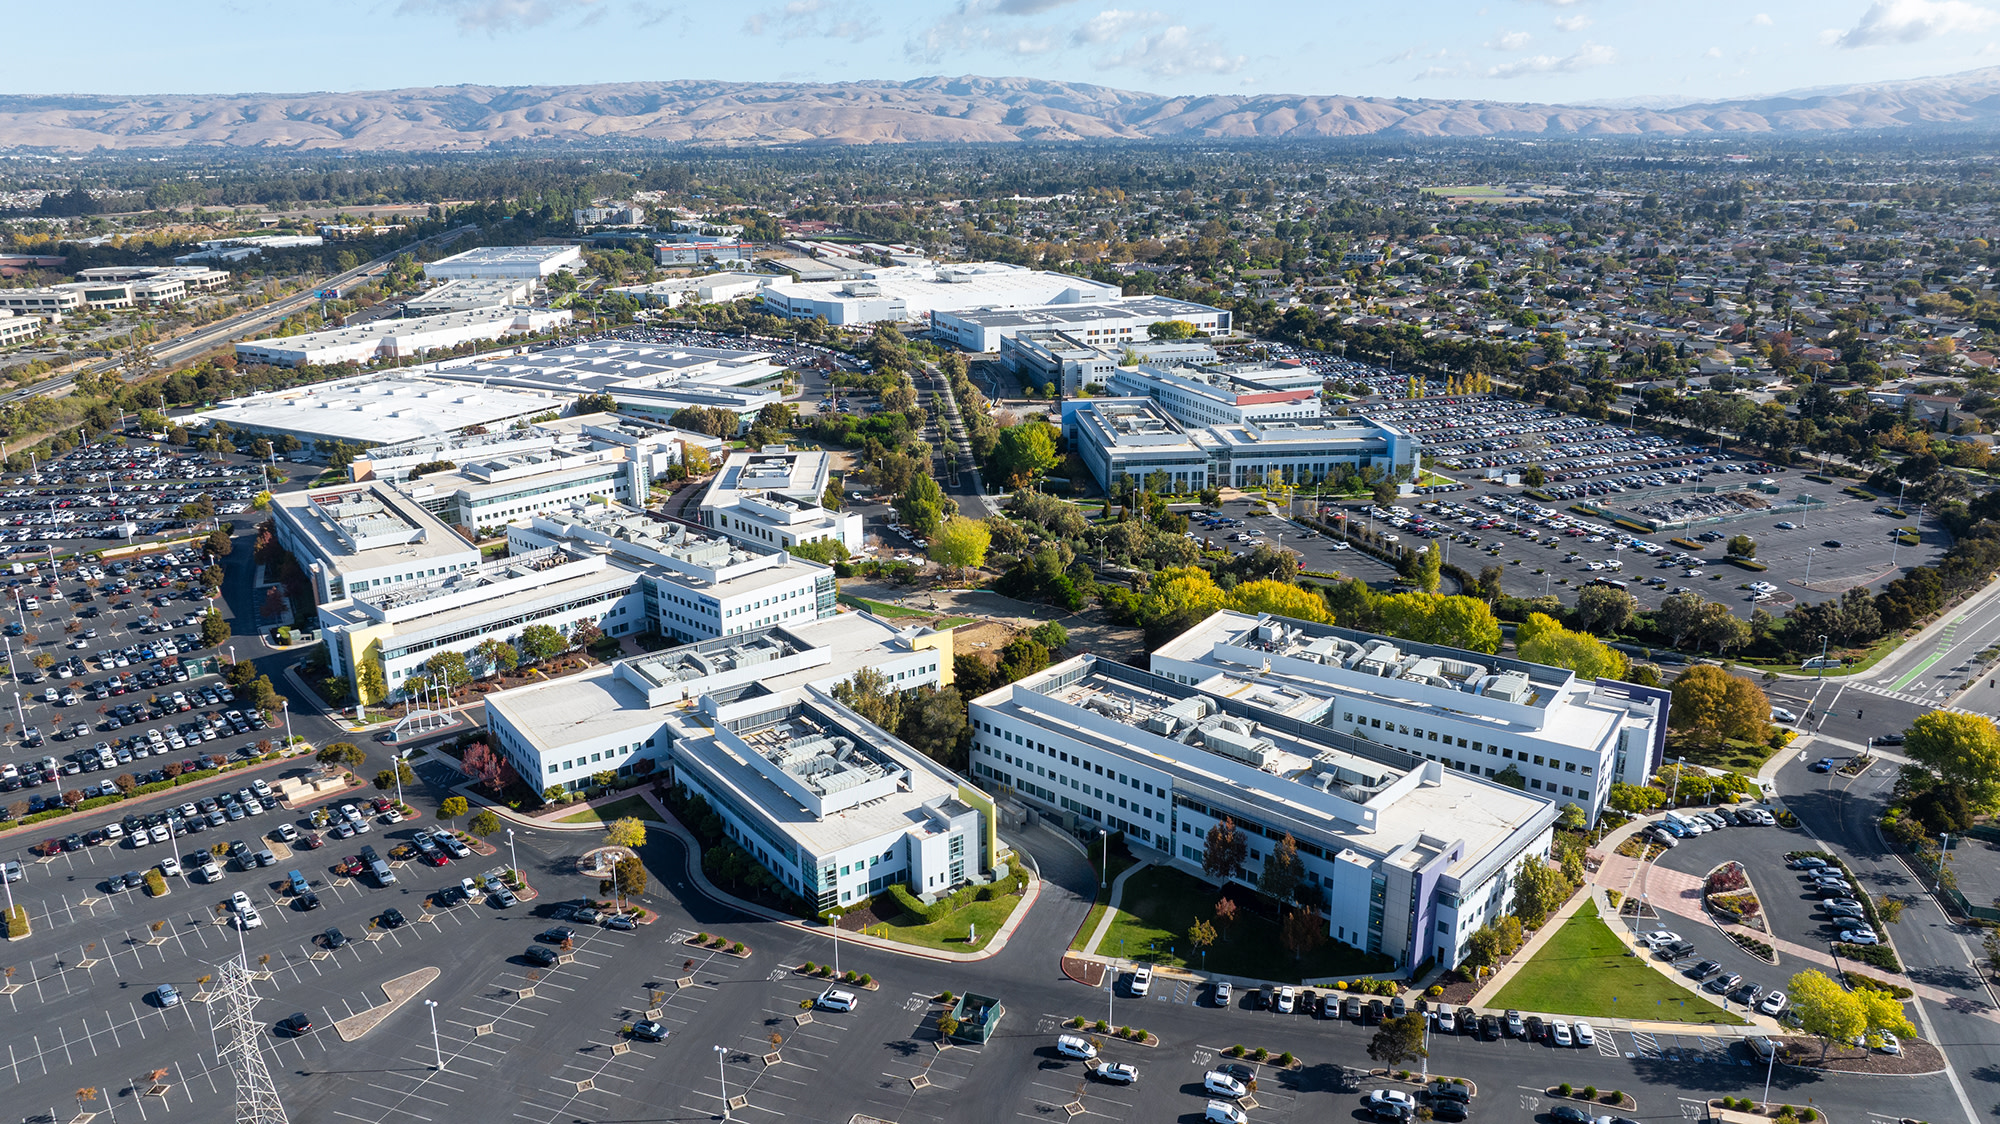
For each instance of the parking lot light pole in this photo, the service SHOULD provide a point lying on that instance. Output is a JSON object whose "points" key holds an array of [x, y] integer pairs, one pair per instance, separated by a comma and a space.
{"points": [[722, 1076], [1809, 557], [287, 707], [513, 859], [1104, 857], [436, 1042], [1822, 658]]}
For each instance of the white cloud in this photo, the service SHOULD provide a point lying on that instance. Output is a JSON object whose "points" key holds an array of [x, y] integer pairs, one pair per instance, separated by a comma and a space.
{"points": [[1177, 50], [1576, 22], [1583, 58], [1712, 53], [802, 19], [1113, 24], [1511, 41], [1761, 19], [1912, 21], [495, 16]]}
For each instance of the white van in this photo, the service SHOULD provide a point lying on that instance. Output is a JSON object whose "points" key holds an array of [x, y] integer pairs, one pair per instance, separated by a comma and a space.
{"points": [[1075, 1046]]}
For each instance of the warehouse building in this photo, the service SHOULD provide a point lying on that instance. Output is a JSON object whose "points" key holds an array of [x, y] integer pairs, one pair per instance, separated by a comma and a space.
{"points": [[382, 409], [520, 263], [472, 294], [651, 381], [835, 808], [1566, 739], [772, 496], [1403, 857], [916, 292], [399, 338], [1102, 319]]}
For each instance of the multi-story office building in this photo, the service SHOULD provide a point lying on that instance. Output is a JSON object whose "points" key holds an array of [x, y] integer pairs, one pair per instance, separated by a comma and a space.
{"points": [[1097, 318], [1120, 438], [1566, 739], [651, 450], [1133, 438], [361, 537], [652, 381], [15, 327], [835, 808], [525, 263], [772, 496], [1402, 856], [1043, 355], [698, 584], [1211, 395], [400, 338], [923, 292], [498, 490]]}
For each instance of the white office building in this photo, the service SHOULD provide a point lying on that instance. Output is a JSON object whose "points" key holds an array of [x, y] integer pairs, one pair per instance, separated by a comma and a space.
{"points": [[1403, 857], [360, 537], [651, 381], [1120, 438], [1042, 356], [472, 294], [1568, 740], [651, 450], [1212, 395], [523, 263], [772, 496], [494, 491], [677, 291], [1096, 319], [17, 328], [383, 409], [835, 808], [400, 338], [917, 292]]}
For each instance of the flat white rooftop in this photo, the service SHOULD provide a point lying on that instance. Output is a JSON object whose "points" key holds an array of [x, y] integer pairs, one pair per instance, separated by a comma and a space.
{"points": [[356, 527], [381, 409], [507, 261], [928, 288]]}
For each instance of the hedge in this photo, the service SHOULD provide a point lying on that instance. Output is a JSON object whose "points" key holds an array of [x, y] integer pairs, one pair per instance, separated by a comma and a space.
{"points": [[1688, 544], [915, 908], [1750, 564], [17, 922], [1869, 983], [1874, 955], [156, 883]]}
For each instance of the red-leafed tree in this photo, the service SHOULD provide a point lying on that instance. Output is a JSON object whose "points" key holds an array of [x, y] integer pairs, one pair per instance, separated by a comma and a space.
{"points": [[483, 765]]}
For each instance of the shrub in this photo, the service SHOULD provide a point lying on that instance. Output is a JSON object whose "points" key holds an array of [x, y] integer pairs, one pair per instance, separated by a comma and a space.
{"points": [[1809, 1115], [1076, 1022], [701, 938], [1103, 1027], [1124, 1032], [17, 922], [810, 968], [1615, 1096], [1340, 985], [1435, 990], [1590, 1092], [1286, 1059], [1259, 1054], [1237, 1051], [1564, 1089], [1139, 1034], [737, 948], [156, 883], [866, 979]]}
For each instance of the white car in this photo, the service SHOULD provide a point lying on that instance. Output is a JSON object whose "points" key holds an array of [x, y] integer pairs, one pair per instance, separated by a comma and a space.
{"points": [[1780, 714], [834, 1000], [1141, 981], [1075, 1046], [240, 901], [1447, 1023], [1223, 1085], [1773, 1003], [1287, 999], [1659, 937], [250, 919], [1223, 993], [170, 866], [1559, 1033], [1584, 1035], [1889, 1043], [1393, 1097], [1222, 1112], [1861, 936]]}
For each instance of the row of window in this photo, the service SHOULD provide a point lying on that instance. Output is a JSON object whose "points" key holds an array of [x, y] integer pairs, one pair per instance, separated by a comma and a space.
{"points": [[617, 753], [1495, 750]]}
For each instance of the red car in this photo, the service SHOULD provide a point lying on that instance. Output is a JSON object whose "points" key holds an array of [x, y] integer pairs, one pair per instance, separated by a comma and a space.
{"points": [[350, 868], [311, 840], [381, 803]]}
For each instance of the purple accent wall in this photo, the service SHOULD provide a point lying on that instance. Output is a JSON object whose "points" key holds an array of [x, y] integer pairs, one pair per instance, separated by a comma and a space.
{"points": [[1426, 892]]}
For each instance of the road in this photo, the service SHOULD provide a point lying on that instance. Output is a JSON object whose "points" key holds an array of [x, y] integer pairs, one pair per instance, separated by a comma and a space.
{"points": [[230, 328]]}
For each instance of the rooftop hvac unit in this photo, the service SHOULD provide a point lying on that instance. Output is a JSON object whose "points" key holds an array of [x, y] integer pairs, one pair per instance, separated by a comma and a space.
{"points": [[1186, 712], [1236, 738], [1510, 686]]}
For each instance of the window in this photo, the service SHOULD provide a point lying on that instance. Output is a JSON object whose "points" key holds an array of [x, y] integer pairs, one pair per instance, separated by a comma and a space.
{"points": [[1538, 758]]}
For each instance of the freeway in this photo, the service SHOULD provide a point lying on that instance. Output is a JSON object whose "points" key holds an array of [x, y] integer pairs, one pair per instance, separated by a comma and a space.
{"points": [[230, 328]]}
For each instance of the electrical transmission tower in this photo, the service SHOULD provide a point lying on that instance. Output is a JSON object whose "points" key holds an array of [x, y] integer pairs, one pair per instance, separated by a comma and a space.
{"points": [[233, 1019]]}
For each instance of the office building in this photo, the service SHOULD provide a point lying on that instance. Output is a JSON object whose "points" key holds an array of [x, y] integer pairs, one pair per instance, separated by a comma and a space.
{"points": [[1120, 438], [836, 809], [361, 537], [1043, 356], [651, 381], [247, 246], [520, 263], [1566, 739], [650, 450], [916, 292], [700, 584], [496, 490], [616, 214], [18, 328], [1211, 395], [49, 301], [1097, 318], [1403, 857], [404, 338], [695, 251], [160, 284], [383, 409], [773, 496], [677, 291], [472, 294]]}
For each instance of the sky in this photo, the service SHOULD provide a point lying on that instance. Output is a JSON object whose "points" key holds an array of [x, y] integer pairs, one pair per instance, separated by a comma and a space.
{"points": [[1506, 50]]}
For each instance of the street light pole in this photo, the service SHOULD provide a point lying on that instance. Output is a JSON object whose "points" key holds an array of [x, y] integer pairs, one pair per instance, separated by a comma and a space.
{"points": [[1104, 860], [287, 706], [1809, 558], [436, 1042], [1822, 659], [722, 1076], [512, 857]]}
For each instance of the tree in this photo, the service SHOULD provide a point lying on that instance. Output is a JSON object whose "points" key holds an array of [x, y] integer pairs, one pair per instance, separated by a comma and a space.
{"points": [[1224, 851], [1300, 932], [369, 678], [630, 877], [1679, 614], [1962, 749], [1826, 1010], [1425, 568], [1533, 476], [960, 543], [1540, 639], [497, 656], [541, 641], [1225, 911], [1721, 628], [1538, 890], [1023, 452], [1171, 330], [345, 754], [1603, 608], [1282, 870], [1398, 1041], [934, 723], [214, 630], [449, 668], [1201, 934], [1741, 546], [218, 543], [484, 824], [1282, 599], [482, 765], [1712, 705], [451, 807], [626, 832], [1456, 622]]}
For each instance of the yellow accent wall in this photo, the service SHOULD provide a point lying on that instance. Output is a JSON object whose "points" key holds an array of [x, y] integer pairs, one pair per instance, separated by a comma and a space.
{"points": [[941, 640]]}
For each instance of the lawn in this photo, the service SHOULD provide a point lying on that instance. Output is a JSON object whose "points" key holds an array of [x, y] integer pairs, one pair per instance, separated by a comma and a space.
{"points": [[1159, 905], [1586, 970], [1732, 756], [949, 935], [616, 810], [1119, 862], [880, 608]]}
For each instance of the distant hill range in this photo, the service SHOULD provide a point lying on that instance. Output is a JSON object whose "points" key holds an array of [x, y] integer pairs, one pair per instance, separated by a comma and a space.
{"points": [[927, 110]]}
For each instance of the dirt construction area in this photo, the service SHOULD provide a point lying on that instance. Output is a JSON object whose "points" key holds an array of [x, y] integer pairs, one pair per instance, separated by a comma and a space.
{"points": [[1000, 618]]}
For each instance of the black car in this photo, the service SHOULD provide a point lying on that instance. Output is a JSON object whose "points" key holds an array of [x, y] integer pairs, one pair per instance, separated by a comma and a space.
{"points": [[1452, 1112], [557, 935], [1889, 739], [1260, 999], [392, 918], [1701, 970], [307, 900], [1376, 1012], [1569, 1114], [73, 843], [1534, 1028], [334, 939], [296, 1025], [1833, 544], [541, 954], [649, 1030], [1675, 950], [1468, 1023], [1489, 1028], [1448, 1091]]}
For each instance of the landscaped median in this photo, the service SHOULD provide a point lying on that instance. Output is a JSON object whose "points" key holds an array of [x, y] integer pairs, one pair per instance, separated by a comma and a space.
{"points": [[1584, 969], [963, 921], [1162, 908]]}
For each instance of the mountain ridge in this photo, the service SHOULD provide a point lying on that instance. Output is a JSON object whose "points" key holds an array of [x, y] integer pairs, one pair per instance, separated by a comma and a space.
{"points": [[940, 109]]}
